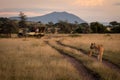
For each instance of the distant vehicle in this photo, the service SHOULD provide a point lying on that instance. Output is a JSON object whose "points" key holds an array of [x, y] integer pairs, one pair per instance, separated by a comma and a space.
{"points": [[39, 32]]}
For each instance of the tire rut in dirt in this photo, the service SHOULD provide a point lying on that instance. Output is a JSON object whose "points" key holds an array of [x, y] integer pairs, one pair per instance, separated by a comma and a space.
{"points": [[83, 71], [105, 61]]}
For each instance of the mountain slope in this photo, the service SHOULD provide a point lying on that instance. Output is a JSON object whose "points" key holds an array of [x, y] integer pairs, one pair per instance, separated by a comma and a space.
{"points": [[55, 17]]}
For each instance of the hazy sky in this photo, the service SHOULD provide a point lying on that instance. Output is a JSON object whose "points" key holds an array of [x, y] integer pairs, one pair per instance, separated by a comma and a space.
{"points": [[88, 10]]}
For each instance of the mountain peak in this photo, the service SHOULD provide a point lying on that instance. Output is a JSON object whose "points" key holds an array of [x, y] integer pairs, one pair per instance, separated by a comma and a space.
{"points": [[60, 12], [56, 17]]}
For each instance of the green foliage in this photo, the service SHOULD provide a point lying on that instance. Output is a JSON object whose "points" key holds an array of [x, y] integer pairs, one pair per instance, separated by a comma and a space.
{"points": [[113, 23], [115, 27], [64, 26], [83, 28], [79, 30], [22, 22], [96, 27], [8, 26]]}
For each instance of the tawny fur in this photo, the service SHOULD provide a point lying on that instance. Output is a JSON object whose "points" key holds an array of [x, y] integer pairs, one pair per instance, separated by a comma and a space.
{"points": [[99, 49]]}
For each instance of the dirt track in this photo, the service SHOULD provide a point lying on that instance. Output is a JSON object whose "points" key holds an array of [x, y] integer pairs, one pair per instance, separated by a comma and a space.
{"points": [[105, 62], [83, 71], [86, 73]]}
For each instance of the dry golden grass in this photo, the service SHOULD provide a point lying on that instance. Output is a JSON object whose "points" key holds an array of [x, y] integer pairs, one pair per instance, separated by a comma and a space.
{"points": [[110, 42], [32, 59], [104, 72]]}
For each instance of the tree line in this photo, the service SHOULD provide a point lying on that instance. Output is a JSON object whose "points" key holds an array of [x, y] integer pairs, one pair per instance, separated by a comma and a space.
{"points": [[8, 26]]}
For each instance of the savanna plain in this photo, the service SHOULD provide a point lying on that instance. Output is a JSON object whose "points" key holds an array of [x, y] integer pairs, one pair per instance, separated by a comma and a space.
{"points": [[59, 57]]}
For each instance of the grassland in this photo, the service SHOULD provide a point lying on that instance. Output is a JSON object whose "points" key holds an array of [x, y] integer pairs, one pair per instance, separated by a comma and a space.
{"points": [[32, 59], [100, 71], [111, 43]]}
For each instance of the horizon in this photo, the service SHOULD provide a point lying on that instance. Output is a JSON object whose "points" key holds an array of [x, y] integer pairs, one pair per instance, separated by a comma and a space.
{"points": [[105, 23], [88, 10]]}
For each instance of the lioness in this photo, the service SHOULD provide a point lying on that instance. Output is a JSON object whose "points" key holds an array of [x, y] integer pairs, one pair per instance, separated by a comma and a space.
{"points": [[98, 49]]}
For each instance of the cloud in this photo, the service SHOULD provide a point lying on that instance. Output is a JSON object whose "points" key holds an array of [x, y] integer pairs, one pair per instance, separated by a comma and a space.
{"points": [[89, 3]]}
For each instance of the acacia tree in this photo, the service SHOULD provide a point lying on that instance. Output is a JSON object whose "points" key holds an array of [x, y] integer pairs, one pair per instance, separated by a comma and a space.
{"points": [[66, 27], [22, 22], [51, 25], [115, 26], [114, 23], [8, 26], [96, 27]]}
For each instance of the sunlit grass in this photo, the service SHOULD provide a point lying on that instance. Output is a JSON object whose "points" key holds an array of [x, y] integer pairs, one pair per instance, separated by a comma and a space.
{"points": [[111, 43], [101, 71], [112, 57], [33, 60]]}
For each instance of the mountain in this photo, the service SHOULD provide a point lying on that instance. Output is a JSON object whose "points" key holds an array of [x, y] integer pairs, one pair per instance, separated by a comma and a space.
{"points": [[54, 17]]}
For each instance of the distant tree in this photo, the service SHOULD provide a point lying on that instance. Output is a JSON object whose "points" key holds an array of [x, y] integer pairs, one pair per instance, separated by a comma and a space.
{"points": [[96, 27], [116, 29], [22, 22], [4, 25], [79, 30], [50, 24], [114, 23], [65, 26], [14, 26], [85, 27], [8, 26], [40, 22], [115, 26], [32, 27], [76, 23]]}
